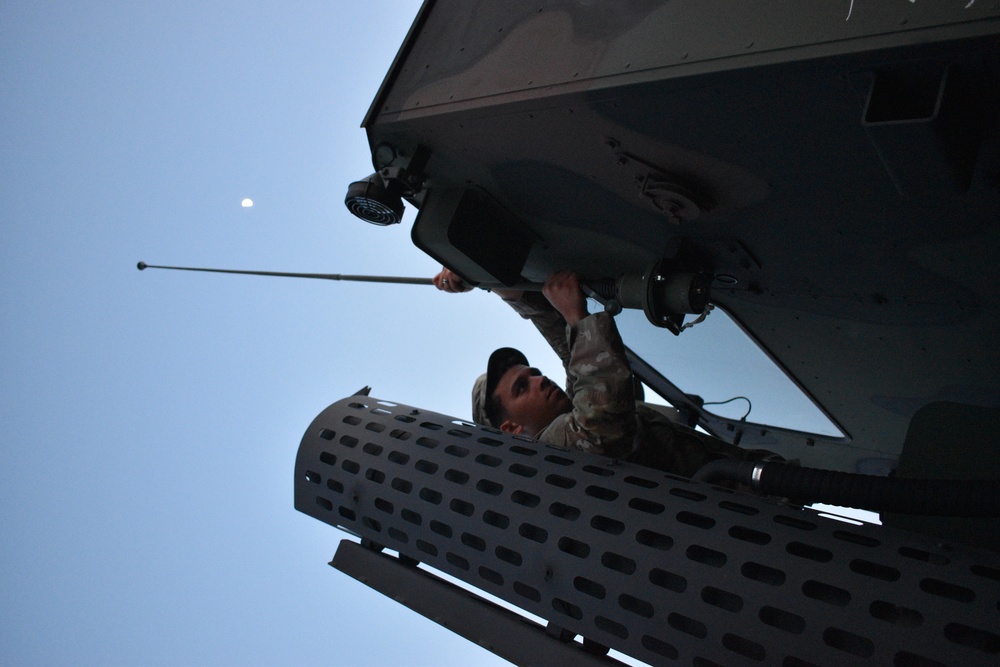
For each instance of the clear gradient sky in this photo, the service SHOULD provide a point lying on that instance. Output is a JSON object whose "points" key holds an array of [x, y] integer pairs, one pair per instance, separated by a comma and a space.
{"points": [[149, 421]]}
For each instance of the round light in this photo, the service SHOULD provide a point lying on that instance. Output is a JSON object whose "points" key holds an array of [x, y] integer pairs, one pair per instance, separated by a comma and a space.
{"points": [[247, 203], [371, 201]]}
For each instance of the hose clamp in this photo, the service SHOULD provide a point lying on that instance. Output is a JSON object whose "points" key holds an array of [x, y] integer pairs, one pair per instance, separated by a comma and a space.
{"points": [[755, 476]]}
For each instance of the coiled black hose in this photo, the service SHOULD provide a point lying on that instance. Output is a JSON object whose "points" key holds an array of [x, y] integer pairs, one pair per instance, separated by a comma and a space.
{"points": [[929, 497]]}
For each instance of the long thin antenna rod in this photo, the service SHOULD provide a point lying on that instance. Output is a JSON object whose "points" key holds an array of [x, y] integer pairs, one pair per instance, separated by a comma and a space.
{"points": [[142, 266]]}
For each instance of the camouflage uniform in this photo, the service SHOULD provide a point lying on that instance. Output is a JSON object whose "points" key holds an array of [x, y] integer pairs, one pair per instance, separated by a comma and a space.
{"points": [[606, 419]]}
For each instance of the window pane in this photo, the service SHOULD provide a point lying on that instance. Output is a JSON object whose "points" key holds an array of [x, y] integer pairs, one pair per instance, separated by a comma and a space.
{"points": [[717, 361]]}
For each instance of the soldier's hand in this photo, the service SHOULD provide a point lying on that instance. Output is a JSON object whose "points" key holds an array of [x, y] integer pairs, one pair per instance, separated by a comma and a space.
{"points": [[449, 281], [563, 291]]}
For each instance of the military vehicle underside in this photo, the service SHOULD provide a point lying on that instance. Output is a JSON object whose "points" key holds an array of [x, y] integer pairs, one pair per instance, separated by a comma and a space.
{"points": [[834, 168], [840, 179]]}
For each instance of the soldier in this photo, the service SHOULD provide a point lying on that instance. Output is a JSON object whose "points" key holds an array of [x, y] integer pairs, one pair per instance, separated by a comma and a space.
{"points": [[597, 412]]}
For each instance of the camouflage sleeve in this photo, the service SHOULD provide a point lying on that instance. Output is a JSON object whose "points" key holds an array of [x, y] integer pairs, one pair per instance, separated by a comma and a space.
{"points": [[603, 417], [549, 322]]}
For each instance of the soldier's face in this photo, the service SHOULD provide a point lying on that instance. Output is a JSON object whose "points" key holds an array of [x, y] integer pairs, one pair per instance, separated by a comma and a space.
{"points": [[530, 400]]}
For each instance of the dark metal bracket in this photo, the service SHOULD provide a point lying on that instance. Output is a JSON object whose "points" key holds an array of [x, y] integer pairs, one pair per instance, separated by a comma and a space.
{"points": [[508, 635]]}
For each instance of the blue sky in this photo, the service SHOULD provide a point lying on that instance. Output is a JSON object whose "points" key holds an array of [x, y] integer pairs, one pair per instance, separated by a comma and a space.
{"points": [[150, 420]]}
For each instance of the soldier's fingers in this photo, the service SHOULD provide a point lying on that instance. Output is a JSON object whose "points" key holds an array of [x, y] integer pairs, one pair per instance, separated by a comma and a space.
{"points": [[449, 281]]}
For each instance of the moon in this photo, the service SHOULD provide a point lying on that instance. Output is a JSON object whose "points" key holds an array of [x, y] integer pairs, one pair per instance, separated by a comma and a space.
{"points": [[247, 203]]}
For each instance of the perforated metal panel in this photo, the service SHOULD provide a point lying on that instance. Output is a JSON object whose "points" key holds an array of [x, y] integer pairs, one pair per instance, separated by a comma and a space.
{"points": [[655, 566]]}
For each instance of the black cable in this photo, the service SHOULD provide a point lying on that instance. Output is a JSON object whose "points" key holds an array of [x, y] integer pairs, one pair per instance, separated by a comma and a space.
{"points": [[735, 398], [929, 497]]}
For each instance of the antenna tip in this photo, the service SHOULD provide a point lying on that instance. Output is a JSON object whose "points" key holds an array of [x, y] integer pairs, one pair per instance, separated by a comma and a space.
{"points": [[141, 265]]}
